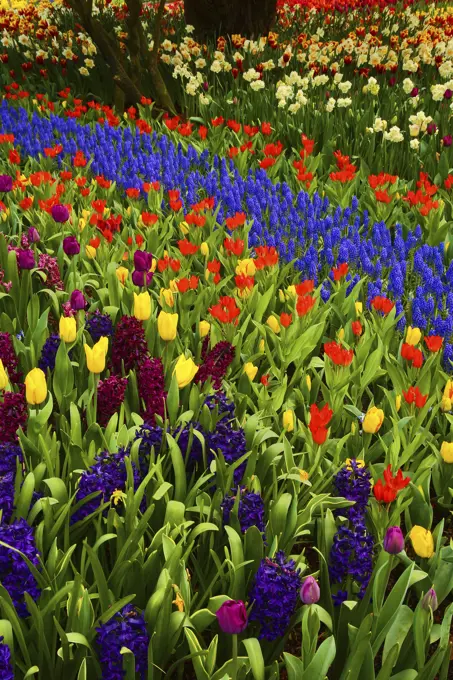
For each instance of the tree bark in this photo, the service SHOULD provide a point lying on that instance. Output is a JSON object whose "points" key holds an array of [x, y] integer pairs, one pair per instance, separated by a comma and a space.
{"points": [[249, 18]]}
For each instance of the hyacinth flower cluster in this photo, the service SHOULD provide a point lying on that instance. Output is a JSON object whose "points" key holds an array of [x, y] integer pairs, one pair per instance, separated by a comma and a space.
{"points": [[10, 457], [400, 269], [15, 574], [250, 510], [6, 669], [351, 556], [126, 629]]}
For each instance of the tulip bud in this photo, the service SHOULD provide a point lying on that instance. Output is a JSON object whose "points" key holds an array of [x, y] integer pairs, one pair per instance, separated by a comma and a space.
{"points": [[68, 328], [353, 428], [185, 371], [310, 592], [184, 228], [166, 296], [288, 420], [398, 402], [261, 346], [303, 474], [308, 382], [394, 541], [281, 295], [341, 334], [153, 265], [204, 249], [121, 274], [422, 541], [33, 235], [82, 224], [429, 600], [250, 370], [358, 308], [232, 617], [95, 355], [203, 328], [291, 290], [373, 420], [35, 386], [90, 252], [273, 324], [446, 451], [413, 336], [142, 306], [3, 377], [167, 325]]}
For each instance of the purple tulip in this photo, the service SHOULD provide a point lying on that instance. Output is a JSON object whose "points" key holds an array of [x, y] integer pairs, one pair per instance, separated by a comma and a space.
{"points": [[430, 600], [33, 235], [26, 259], [6, 183], [309, 592], [392, 81], [205, 86], [447, 140], [60, 213], [142, 279], [431, 128], [414, 92], [448, 94], [77, 300], [232, 617], [394, 541], [142, 260], [71, 246]]}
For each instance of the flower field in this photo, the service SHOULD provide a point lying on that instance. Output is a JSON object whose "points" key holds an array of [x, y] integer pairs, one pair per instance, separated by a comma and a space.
{"points": [[226, 348]]}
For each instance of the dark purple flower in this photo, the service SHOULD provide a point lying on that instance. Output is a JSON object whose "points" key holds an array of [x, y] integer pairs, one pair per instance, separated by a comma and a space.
{"points": [[232, 617], [10, 456], [431, 128], [351, 556], [394, 541], [99, 325], [151, 389], [6, 669], [33, 235], [129, 344], [71, 246], [110, 395], [49, 353], [6, 183], [142, 260], [219, 403], [447, 140], [142, 279], [414, 92], [50, 266], [60, 213], [274, 595], [9, 358], [310, 592], [448, 93], [126, 629], [353, 483], [216, 364], [231, 444], [429, 600], [392, 81], [151, 438], [15, 574], [13, 415], [250, 510], [77, 300], [205, 86], [26, 259]]}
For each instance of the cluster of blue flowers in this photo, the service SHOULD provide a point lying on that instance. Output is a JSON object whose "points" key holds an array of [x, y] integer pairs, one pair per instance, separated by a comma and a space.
{"points": [[307, 230], [250, 510], [352, 549], [10, 456], [126, 629], [6, 669], [15, 574]]}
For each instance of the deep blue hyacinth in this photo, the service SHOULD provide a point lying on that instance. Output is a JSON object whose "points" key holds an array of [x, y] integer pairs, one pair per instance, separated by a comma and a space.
{"points": [[352, 555], [274, 596], [99, 325], [49, 353], [225, 408], [10, 456], [15, 574], [353, 483], [250, 510], [231, 443], [6, 669], [126, 629]]}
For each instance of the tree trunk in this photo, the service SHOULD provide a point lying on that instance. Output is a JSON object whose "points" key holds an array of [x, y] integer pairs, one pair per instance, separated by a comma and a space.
{"points": [[249, 18]]}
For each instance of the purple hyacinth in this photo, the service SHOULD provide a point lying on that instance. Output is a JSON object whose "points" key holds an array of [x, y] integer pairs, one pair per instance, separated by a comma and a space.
{"points": [[110, 395], [126, 629], [9, 358], [49, 353], [250, 510], [151, 437], [129, 344], [219, 403], [6, 183], [353, 483], [352, 556], [50, 266], [13, 415], [151, 389], [231, 443], [10, 455], [274, 596], [6, 669], [99, 325], [189, 444], [60, 213], [15, 575], [216, 364], [106, 475]]}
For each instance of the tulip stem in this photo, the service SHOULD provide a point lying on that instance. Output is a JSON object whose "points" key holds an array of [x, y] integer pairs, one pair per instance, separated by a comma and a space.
{"points": [[234, 665]]}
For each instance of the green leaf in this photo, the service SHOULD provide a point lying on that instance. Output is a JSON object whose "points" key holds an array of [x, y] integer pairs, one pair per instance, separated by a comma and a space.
{"points": [[321, 662], [256, 657]]}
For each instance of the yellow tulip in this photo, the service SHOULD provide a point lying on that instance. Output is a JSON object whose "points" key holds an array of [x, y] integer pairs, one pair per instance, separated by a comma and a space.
{"points": [[174, 285], [281, 295], [85, 214], [422, 541], [353, 428], [273, 324], [95, 355], [288, 420], [308, 382], [90, 252], [246, 266], [185, 371], [291, 290], [166, 296], [341, 334], [204, 249], [398, 402], [142, 306], [203, 328], [250, 370], [121, 274], [261, 346], [413, 336], [167, 325], [358, 308], [373, 420], [445, 404], [153, 265], [82, 224], [447, 396], [184, 227], [35, 386], [104, 343], [68, 328], [303, 474], [3, 377], [446, 451]]}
